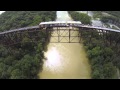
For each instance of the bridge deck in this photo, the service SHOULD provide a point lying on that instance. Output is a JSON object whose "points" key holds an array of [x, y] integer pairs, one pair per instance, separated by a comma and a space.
{"points": [[60, 25], [12, 37], [101, 28], [20, 29]]}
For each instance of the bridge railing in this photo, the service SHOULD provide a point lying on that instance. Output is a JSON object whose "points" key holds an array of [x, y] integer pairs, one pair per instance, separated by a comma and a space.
{"points": [[6, 36]]}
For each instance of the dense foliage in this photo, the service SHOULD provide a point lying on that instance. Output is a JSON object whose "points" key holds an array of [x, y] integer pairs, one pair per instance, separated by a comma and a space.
{"points": [[82, 17], [24, 63], [23, 60], [104, 57], [17, 19]]}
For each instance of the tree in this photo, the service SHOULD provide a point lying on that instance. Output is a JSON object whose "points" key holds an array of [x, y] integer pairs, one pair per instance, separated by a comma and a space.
{"points": [[16, 74], [109, 71], [84, 18]]}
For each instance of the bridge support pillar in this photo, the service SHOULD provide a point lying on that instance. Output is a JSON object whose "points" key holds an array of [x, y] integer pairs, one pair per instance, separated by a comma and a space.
{"points": [[69, 34], [81, 34], [58, 32], [47, 34]]}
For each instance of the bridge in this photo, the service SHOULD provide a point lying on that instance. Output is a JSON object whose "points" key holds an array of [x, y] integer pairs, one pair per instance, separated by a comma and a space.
{"points": [[55, 29]]}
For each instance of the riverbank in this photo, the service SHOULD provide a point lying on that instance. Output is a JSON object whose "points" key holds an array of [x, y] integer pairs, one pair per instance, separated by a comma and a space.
{"points": [[25, 59], [103, 59]]}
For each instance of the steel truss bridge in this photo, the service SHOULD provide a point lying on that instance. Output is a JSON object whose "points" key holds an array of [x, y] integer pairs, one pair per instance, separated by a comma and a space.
{"points": [[59, 33]]}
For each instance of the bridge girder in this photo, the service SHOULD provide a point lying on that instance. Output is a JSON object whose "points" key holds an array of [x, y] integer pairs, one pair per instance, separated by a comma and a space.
{"points": [[59, 34]]}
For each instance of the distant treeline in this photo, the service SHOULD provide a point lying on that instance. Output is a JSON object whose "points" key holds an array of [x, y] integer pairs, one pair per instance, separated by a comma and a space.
{"points": [[114, 13], [23, 60]]}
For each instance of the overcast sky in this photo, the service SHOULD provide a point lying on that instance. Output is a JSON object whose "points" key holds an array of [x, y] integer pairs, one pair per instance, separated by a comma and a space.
{"points": [[1, 12]]}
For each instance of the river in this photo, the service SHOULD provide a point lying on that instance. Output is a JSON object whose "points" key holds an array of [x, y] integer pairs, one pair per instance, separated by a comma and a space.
{"points": [[65, 60]]}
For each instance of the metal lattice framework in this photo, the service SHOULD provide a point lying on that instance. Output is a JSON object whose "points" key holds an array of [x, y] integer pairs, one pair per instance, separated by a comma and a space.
{"points": [[59, 34]]}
